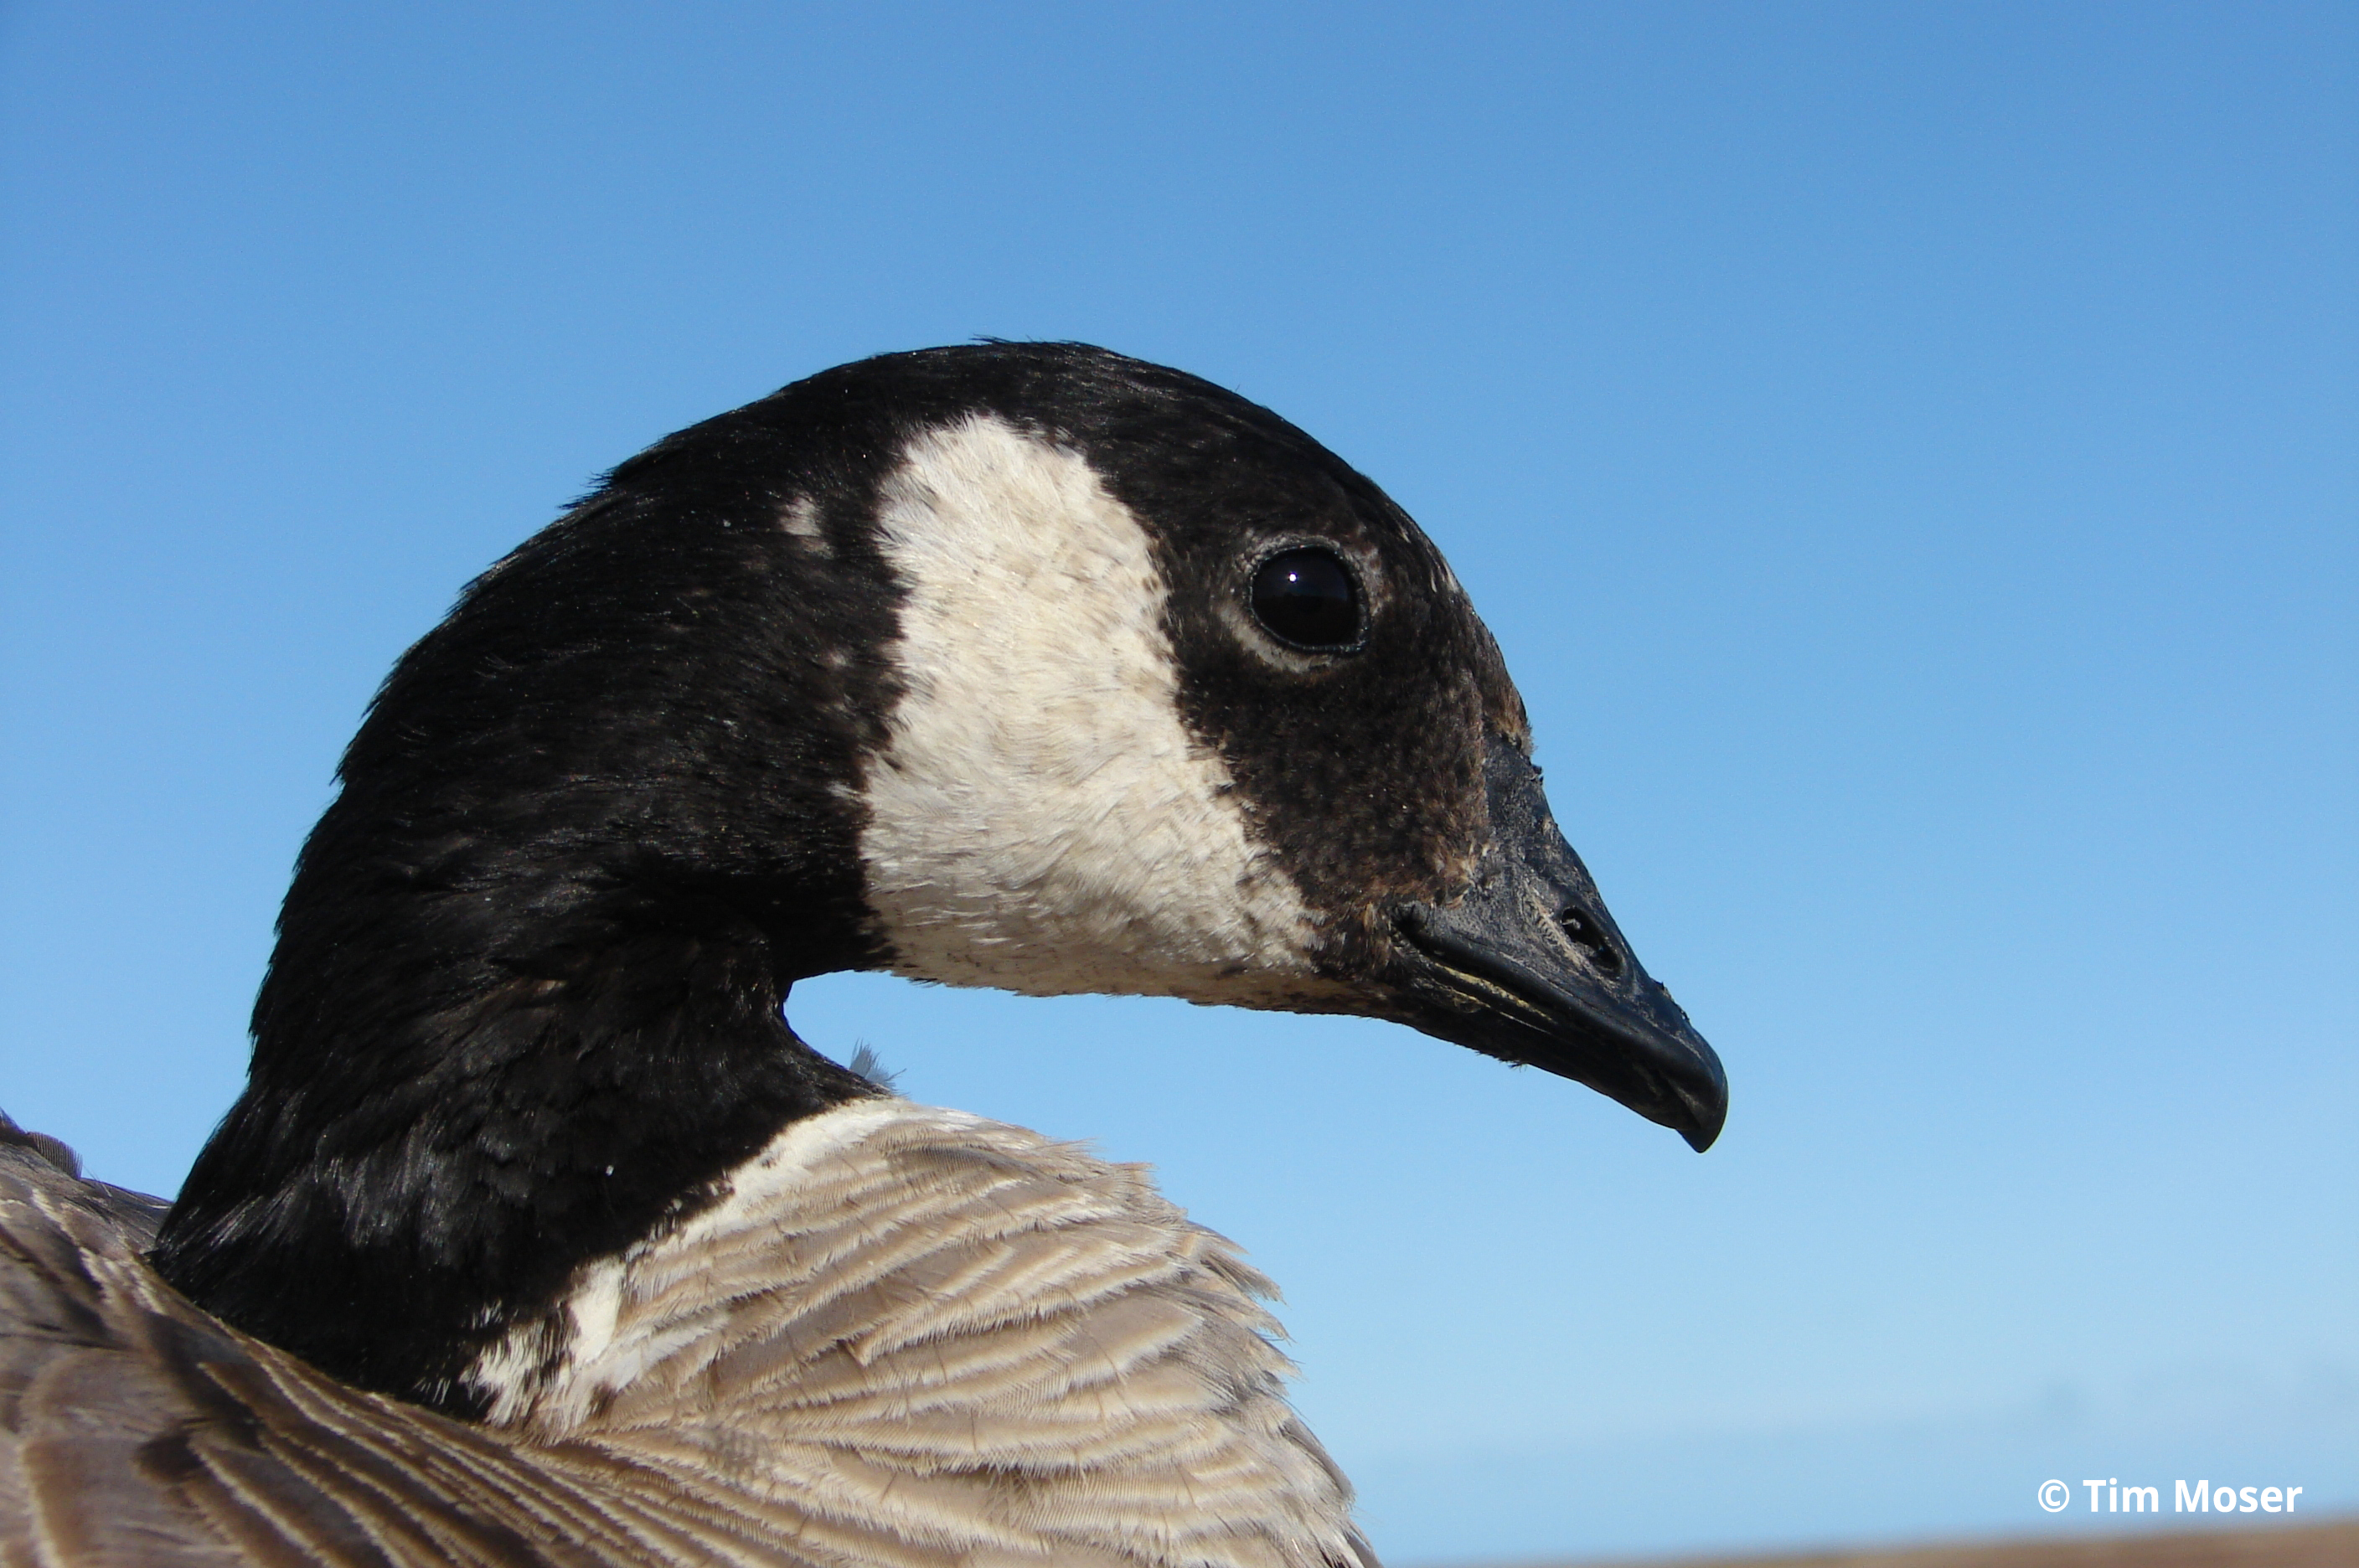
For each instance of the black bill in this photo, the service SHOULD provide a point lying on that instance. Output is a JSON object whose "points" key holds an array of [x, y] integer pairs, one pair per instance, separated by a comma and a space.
{"points": [[1529, 967]]}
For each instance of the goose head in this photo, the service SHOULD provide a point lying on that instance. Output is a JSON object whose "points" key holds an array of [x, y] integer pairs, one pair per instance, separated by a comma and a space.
{"points": [[1025, 666], [1187, 707]]}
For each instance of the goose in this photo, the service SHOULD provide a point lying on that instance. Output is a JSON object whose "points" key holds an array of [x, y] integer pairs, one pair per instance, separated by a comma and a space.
{"points": [[537, 1236]]}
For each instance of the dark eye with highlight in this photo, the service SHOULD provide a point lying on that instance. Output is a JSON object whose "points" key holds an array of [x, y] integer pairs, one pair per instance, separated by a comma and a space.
{"points": [[1308, 598]]}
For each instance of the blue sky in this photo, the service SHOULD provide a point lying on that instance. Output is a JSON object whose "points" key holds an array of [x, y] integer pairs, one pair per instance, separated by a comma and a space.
{"points": [[1907, 453]]}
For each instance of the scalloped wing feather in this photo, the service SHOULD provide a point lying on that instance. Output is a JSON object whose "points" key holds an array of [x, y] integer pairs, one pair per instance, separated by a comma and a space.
{"points": [[908, 1338], [926, 1328], [136, 1429]]}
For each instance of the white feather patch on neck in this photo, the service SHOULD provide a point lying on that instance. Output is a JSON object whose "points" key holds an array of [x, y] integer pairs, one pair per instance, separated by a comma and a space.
{"points": [[1041, 820], [554, 1374]]}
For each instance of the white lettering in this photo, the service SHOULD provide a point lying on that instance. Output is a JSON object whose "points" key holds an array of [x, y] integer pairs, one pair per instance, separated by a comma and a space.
{"points": [[2094, 1487], [2205, 1498]]}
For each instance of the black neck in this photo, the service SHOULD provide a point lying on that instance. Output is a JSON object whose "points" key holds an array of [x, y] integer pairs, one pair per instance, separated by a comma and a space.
{"points": [[525, 1006], [438, 1133]]}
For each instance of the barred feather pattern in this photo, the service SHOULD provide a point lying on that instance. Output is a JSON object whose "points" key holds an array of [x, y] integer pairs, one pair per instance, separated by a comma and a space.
{"points": [[911, 1336], [904, 1336]]}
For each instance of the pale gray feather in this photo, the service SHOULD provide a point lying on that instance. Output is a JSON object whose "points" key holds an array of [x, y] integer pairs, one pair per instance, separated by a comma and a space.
{"points": [[912, 1328]]}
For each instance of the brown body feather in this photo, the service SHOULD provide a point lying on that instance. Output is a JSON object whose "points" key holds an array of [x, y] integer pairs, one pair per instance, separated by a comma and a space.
{"points": [[907, 1337]]}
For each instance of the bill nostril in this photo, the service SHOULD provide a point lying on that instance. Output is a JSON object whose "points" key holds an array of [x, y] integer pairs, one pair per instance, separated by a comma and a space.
{"points": [[1587, 935]]}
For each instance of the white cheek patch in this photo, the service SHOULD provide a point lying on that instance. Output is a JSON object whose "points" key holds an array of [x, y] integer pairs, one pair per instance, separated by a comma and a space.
{"points": [[1040, 820]]}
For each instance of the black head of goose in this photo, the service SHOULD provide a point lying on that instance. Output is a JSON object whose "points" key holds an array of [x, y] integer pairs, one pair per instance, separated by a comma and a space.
{"points": [[1025, 666]]}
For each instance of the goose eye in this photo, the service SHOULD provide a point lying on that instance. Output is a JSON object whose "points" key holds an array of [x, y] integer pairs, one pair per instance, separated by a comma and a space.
{"points": [[1308, 598]]}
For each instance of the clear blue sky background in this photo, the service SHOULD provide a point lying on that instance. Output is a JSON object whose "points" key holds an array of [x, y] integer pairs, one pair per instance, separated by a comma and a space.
{"points": [[1907, 455]]}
